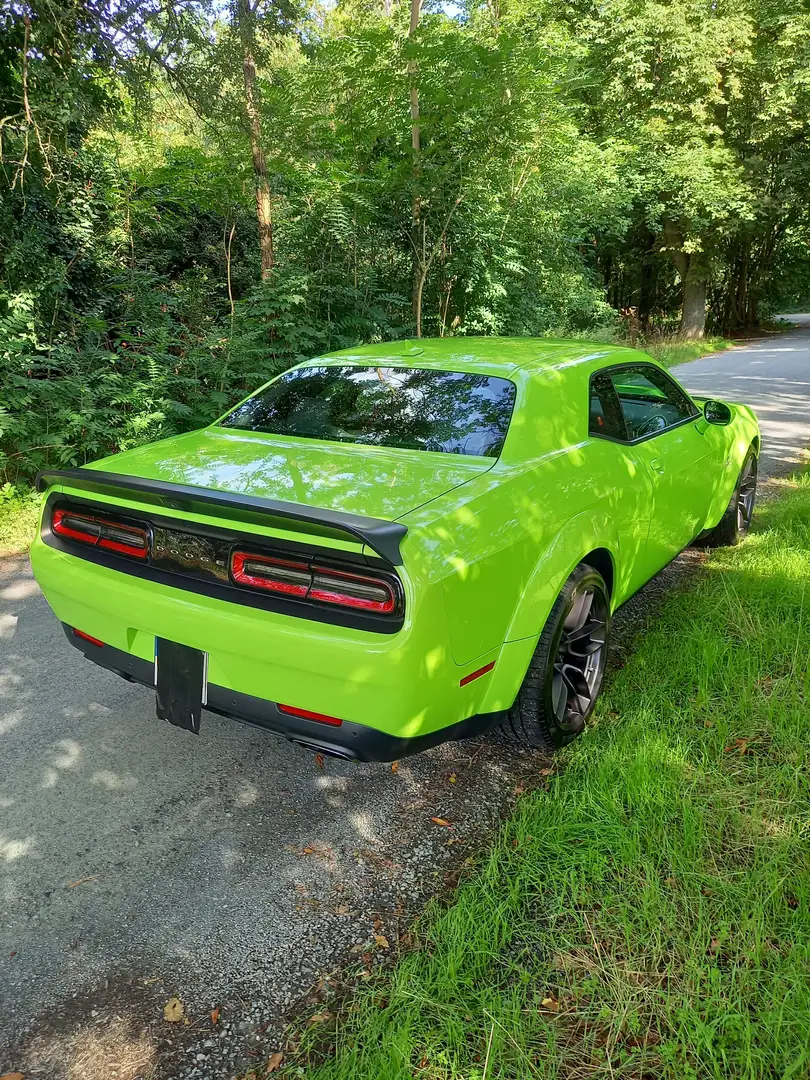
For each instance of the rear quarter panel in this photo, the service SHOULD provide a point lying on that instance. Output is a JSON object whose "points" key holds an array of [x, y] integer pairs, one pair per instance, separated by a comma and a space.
{"points": [[505, 543]]}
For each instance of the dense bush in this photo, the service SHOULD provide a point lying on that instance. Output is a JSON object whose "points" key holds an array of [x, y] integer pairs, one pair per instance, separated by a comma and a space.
{"points": [[571, 162]]}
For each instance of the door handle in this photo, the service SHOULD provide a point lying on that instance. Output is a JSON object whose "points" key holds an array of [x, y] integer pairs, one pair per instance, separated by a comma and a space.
{"points": [[657, 465]]}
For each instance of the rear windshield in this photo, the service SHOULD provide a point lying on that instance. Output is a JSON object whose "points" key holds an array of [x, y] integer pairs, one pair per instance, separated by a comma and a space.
{"points": [[454, 412]]}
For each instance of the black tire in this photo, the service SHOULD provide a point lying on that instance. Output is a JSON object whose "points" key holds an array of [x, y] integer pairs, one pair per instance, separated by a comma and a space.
{"points": [[569, 660], [736, 521]]}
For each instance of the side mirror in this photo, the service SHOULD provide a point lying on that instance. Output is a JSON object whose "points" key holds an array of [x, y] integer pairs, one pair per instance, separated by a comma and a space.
{"points": [[717, 412]]}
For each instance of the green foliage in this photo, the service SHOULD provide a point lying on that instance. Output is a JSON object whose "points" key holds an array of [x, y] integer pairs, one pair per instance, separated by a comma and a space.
{"points": [[571, 158], [19, 511]]}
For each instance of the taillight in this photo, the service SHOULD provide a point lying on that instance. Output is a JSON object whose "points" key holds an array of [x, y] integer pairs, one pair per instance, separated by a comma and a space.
{"points": [[352, 590], [100, 532], [311, 582], [275, 575]]}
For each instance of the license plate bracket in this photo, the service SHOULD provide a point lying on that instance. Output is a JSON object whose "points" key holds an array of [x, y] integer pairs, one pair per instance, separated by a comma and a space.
{"points": [[181, 683]]}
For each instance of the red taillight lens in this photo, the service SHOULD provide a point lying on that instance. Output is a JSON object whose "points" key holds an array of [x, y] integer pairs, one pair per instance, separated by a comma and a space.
{"points": [[352, 590], [100, 532], [276, 575], [305, 714], [313, 582]]}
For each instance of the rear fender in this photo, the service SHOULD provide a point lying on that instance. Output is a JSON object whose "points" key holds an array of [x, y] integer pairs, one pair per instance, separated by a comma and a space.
{"points": [[582, 534], [587, 532]]}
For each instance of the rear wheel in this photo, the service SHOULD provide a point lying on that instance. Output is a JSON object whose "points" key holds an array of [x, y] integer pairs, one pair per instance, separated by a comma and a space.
{"points": [[566, 671], [735, 523]]}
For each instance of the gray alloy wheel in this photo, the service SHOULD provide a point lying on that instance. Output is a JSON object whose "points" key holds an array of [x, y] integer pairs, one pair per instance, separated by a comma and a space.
{"points": [[565, 674]]}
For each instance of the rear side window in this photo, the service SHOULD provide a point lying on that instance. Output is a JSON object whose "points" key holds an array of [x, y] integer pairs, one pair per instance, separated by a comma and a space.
{"points": [[647, 400], [605, 417], [453, 412]]}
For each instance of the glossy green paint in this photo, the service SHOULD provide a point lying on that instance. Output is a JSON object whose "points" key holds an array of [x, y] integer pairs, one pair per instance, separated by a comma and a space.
{"points": [[489, 544]]}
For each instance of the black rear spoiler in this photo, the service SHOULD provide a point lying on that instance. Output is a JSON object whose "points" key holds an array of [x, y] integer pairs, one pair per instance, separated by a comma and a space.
{"points": [[381, 536]]}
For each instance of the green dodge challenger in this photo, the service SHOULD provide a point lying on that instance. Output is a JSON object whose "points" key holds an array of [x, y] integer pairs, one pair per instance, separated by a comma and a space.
{"points": [[398, 544]]}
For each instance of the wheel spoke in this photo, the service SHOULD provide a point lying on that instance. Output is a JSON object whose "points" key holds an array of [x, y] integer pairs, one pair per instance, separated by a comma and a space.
{"points": [[578, 615], [588, 630], [559, 697], [577, 684]]}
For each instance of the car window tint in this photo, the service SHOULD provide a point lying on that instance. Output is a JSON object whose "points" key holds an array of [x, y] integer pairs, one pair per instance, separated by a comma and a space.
{"points": [[454, 412], [650, 401], [605, 416]]}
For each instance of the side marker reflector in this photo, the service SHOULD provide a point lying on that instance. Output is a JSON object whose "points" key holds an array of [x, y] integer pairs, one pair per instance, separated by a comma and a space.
{"points": [[87, 637], [477, 674], [305, 714]]}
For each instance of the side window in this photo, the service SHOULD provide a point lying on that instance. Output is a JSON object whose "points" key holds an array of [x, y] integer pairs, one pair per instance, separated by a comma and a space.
{"points": [[605, 415], [650, 401]]}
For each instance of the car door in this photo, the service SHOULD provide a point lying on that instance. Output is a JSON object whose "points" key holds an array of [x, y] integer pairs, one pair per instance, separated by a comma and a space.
{"points": [[664, 428], [621, 479]]}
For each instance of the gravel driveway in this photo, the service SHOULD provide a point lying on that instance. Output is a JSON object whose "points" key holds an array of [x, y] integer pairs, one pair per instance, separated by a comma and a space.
{"points": [[233, 870]]}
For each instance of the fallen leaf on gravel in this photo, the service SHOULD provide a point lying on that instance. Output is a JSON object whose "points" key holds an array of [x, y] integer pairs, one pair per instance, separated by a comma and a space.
{"points": [[394, 766], [321, 1017], [319, 760], [382, 941], [173, 1010], [342, 910], [546, 772], [274, 1062], [377, 924], [551, 1004], [451, 779], [441, 821], [12, 1076], [79, 881], [215, 1016]]}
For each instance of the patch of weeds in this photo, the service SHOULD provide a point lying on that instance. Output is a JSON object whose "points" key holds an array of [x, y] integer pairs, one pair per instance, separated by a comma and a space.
{"points": [[19, 512]]}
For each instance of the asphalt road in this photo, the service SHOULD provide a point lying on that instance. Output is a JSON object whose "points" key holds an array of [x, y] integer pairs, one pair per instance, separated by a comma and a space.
{"points": [[233, 870], [773, 376]]}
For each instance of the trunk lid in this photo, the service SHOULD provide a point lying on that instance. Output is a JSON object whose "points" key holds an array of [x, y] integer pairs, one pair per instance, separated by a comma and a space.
{"points": [[376, 481]]}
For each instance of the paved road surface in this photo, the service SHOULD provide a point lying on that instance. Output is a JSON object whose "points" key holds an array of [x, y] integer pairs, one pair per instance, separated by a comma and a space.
{"points": [[772, 375], [137, 861]]}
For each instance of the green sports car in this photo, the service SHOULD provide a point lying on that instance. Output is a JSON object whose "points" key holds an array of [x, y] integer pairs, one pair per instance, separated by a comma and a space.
{"points": [[398, 544]]}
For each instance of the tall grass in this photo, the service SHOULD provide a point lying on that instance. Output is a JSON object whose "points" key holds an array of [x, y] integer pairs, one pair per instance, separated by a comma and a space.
{"points": [[646, 913]]}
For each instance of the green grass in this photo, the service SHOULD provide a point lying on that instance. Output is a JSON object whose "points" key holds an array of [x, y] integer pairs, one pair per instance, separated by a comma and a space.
{"points": [[19, 510], [672, 351], [655, 893]]}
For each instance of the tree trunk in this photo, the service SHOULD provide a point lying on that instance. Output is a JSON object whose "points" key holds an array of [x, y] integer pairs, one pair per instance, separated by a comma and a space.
{"points": [[417, 225], [264, 201], [693, 320], [646, 296], [692, 272]]}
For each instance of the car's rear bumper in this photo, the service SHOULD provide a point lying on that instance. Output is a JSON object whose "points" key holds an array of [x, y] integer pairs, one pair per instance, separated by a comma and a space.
{"points": [[349, 740], [395, 693]]}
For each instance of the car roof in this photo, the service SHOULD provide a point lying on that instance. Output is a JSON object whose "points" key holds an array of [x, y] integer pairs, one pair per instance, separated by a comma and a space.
{"points": [[495, 356]]}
